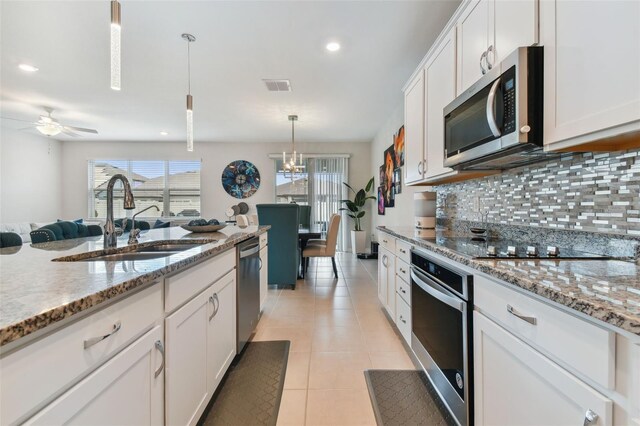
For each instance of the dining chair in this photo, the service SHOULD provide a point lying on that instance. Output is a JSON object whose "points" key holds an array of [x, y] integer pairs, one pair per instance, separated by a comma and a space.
{"points": [[328, 249], [284, 254]]}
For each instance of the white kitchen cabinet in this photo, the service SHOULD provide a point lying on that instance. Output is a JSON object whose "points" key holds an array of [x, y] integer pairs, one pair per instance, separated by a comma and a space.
{"points": [[516, 385], [488, 31], [199, 349], [414, 127], [386, 280], [127, 390], [264, 275], [591, 71], [440, 82], [221, 339]]}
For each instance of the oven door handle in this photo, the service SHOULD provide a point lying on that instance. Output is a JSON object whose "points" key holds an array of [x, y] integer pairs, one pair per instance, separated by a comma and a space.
{"points": [[436, 290], [491, 109]]}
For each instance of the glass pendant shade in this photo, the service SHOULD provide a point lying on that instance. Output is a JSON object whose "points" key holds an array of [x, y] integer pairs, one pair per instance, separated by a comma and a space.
{"points": [[189, 123], [115, 45]]}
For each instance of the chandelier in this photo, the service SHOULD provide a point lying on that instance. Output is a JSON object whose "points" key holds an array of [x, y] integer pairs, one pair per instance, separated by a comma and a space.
{"points": [[294, 164]]}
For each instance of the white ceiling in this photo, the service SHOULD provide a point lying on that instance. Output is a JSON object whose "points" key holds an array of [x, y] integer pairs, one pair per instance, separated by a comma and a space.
{"points": [[343, 96]]}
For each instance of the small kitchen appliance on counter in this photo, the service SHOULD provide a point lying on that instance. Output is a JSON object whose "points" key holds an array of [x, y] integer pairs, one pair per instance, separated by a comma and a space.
{"points": [[424, 209]]}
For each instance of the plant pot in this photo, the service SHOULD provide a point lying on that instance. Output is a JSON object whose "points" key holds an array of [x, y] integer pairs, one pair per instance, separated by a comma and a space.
{"points": [[358, 241]]}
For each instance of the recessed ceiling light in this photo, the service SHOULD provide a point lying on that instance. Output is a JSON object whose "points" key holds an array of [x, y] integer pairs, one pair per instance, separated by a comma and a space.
{"points": [[27, 68], [333, 46], [163, 133]]}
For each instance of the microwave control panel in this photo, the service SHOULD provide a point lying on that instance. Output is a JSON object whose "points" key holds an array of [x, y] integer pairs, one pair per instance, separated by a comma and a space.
{"points": [[509, 100]]}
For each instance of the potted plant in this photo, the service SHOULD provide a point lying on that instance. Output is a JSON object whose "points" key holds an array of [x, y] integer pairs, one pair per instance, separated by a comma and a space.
{"points": [[355, 210]]}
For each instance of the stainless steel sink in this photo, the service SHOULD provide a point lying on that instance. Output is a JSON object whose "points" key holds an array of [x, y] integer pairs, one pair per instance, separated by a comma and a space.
{"points": [[153, 251]]}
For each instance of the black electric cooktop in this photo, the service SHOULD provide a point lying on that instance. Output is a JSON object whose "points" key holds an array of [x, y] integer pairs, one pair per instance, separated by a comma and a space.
{"points": [[479, 248]]}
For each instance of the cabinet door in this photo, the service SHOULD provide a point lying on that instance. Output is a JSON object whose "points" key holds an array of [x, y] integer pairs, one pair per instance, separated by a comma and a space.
{"points": [[264, 275], [124, 391], [391, 286], [516, 385], [414, 129], [187, 332], [383, 273], [473, 41], [591, 68], [440, 80], [221, 340], [515, 24]]}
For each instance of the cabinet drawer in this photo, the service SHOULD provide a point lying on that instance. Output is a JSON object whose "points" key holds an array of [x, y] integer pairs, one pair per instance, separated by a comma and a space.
{"points": [[404, 290], [263, 240], [403, 251], [403, 270], [580, 345], [403, 319], [182, 286], [387, 241], [34, 374]]}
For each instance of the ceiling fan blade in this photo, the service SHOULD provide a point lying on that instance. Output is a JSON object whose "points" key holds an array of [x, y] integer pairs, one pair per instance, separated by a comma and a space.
{"points": [[16, 119], [81, 129], [69, 132]]}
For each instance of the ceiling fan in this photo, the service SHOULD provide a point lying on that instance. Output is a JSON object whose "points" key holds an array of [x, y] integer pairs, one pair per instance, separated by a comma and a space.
{"points": [[49, 126]]}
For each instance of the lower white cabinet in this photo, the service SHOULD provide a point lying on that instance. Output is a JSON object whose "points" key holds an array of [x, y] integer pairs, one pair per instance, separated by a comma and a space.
{"points": [[403, 319], [127, 390], [386, 281], [517, 385], [264, 275], [201, 342]]}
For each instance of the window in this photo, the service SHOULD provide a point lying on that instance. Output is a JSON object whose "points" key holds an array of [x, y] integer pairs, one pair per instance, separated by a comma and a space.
{"points": [[318, 185], [172, 186]]}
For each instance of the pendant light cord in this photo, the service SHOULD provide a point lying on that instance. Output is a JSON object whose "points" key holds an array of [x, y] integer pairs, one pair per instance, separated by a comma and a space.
{"points": [[189, 64]]}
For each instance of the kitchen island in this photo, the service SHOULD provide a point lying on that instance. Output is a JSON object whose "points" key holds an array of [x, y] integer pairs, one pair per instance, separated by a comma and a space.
{"points": [[153, 336]]}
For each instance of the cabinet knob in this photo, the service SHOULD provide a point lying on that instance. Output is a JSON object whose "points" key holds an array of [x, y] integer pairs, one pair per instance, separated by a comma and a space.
{"points": [[525, 129], [590, 417]]}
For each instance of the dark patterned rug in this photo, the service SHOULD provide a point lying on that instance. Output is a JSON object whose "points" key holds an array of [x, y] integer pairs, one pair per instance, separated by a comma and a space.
{"points": [[251, 392], [405, 397]]}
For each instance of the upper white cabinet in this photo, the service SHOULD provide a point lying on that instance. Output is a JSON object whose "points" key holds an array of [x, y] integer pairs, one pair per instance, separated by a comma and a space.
{"points": [[440, 82], [414, 129], [591, 70], [488, 30], [473, 42]]}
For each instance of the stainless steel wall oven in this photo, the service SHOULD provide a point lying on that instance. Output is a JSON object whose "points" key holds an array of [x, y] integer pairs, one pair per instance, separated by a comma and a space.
{"points": [[442, 308]]}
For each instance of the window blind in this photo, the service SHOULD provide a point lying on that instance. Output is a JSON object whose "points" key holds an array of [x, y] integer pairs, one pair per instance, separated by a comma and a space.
{"points": [[172, 186]]}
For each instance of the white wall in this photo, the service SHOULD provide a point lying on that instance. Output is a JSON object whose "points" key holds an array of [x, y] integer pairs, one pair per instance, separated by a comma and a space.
{"points": [[402, 213], [30, 177], [214, 156]]}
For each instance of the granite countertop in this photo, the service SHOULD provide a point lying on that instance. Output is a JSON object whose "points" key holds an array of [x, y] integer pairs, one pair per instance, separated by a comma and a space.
{"points": [[607, 290], [36, 291]]}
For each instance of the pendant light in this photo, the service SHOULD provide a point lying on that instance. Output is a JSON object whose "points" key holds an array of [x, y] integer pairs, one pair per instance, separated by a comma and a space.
{"points": [[294, 164], [189, 38], [115, 45]]}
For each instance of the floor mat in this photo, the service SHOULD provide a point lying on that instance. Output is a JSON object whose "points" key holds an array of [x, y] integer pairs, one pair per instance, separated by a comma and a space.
{"points": [[252, 390], [405, 397]]}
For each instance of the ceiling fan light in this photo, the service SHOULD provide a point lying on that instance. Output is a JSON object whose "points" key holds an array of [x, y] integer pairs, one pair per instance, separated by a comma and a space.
{"points": [[49, 129], [115, 45]]}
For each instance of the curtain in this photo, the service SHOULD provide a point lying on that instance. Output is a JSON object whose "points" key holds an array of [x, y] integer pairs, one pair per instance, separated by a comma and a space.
{"points": [[326, 189]]}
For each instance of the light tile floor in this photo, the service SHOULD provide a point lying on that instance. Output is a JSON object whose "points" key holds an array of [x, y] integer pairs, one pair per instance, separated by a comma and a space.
{"points": [[337, 330]]}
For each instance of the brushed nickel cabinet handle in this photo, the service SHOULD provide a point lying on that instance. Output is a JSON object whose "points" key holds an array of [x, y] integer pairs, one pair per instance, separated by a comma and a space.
{"points": [[160, 347], [403, 290], [590, 417], [483, 57], [384, 260], [213, 299], [90, 342], [530, 320], [403, 271], [403, 251], [402, 319], [489, 63]]}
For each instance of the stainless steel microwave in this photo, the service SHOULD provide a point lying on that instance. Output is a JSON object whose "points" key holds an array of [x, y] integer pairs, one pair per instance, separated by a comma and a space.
{"points": [[497, 122]]}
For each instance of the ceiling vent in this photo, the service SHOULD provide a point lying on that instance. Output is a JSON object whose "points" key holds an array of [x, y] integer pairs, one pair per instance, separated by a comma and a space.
{"points": [[277, 85]]}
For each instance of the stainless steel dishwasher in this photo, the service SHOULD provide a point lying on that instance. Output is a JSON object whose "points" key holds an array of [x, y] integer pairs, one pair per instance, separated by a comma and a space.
{"points": [[248, 300]]}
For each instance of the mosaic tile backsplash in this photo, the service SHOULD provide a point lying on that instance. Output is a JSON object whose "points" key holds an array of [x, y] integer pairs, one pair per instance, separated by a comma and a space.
{"points": [[595, 192]]}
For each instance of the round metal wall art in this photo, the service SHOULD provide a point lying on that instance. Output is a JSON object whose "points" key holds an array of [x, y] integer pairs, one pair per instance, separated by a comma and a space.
{"points": [[241, 179]]}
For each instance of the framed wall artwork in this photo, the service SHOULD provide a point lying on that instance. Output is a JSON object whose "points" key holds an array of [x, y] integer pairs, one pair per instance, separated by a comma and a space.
{"points": [[381, 201], [389, 167], [398, 146]]}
